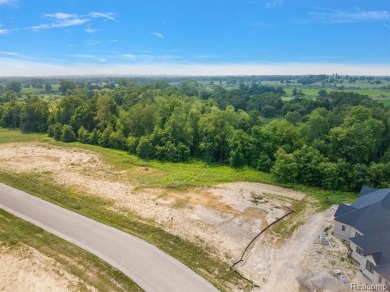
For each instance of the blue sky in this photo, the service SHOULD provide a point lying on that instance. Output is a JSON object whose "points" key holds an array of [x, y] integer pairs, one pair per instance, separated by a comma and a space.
{"points": [[212, 37]]}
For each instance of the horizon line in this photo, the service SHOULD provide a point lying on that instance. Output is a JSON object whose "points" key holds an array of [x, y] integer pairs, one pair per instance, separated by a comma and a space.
{"points": [[26, 68]]}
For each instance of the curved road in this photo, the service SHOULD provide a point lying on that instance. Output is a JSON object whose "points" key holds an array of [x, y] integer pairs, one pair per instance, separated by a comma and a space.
{"points": [[145, 264]]}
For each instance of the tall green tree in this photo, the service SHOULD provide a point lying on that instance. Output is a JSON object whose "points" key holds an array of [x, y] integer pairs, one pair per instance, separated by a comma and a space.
{"points": [[35, 115], [14, 86], [67, 107], [12, 114], [358, 139], [66, 86]]}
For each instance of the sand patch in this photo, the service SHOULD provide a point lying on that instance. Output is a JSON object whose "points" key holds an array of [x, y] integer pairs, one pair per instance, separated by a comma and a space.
{"points": [[23, 268]]}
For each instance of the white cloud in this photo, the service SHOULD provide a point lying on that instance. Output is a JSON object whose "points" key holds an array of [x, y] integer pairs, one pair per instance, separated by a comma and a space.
{"points": [[90, 30], [129, 56], [90, 57], [66, 19], [93, 43], [7, 2], [273, 3], [149, 58], [14, 54], [83, 56], [158, 35], [338, 16], [4, 31], [62, 20], [70, 22], [60, 15], [107, 15], [39, 27]]}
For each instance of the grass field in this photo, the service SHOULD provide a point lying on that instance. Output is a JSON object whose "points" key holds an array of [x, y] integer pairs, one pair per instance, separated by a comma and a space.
{"points": [[381, 96], [87, 267]]}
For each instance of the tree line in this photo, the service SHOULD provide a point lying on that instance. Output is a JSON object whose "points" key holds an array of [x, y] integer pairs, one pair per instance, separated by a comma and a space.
{"points": [[336, 141]]}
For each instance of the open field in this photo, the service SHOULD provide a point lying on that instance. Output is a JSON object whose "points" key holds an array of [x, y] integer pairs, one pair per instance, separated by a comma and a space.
{"points": [[196, 212], [34, 260], [376, 94]]}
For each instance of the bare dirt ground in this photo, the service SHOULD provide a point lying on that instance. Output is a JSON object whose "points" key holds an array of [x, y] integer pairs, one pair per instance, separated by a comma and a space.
{"points": [[287, 265], [225, 217], [23, 268]]}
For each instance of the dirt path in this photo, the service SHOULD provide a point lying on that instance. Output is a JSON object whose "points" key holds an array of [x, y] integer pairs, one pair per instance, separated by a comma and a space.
{"points": [[287, 261]]}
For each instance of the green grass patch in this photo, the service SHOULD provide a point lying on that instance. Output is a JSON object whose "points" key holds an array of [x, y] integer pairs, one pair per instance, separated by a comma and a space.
{"points": [[308, 92], [382, 96], [89, 268], [288, 225], [13, 135], [168, 174], [324, 198]]}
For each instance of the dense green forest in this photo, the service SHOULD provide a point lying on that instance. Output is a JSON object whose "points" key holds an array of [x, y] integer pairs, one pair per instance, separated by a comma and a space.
{"points": [[338, 140]]}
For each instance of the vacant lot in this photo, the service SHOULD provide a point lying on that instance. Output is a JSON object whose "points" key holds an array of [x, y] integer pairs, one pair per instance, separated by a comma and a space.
{"points": [[225, 217], [219, 220]]}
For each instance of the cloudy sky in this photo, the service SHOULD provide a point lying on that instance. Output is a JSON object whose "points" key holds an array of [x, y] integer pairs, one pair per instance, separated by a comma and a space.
{"points": [[194, 37]]}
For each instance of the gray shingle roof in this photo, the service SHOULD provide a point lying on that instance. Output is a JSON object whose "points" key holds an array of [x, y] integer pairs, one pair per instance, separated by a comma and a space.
{"points": [[375, 242], [370, 215], [371, 198], [366, 190], [384, 271], [373, 218], [343, 209]]}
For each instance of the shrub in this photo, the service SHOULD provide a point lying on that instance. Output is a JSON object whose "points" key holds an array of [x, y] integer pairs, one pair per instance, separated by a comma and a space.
{"points": [[67, 134]]}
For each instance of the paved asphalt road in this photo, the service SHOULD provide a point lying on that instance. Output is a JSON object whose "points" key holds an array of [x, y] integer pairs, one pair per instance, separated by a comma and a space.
{"points": [[145, 264]]}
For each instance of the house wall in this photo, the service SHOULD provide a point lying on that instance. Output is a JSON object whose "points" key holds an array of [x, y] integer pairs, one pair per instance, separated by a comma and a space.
{"points": [[338, 231], [361, 259], [374, 277]]}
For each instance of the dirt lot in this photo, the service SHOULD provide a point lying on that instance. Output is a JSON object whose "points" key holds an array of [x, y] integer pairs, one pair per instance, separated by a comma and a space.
{"points": [[23, 268], [225, 217]]}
